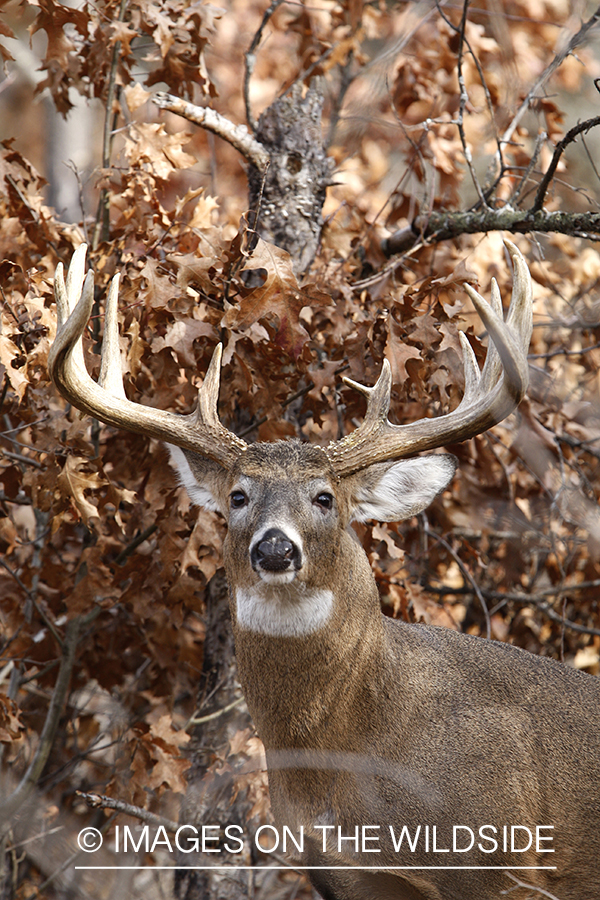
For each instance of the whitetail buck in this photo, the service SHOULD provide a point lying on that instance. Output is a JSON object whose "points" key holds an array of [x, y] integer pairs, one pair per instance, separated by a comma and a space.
{"points": [[453, 756]]}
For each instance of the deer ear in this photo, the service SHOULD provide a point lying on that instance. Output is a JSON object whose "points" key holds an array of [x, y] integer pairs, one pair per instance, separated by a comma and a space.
{"points": [[390, 492], [203, 478]]}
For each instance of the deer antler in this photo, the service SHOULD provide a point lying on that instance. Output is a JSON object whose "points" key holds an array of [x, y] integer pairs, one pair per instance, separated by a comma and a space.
{"points": [[490, 395], [200, 431]]}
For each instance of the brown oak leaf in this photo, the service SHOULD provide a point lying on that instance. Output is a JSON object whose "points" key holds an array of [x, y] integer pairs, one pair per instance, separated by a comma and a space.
{"points": [[279, 297]]}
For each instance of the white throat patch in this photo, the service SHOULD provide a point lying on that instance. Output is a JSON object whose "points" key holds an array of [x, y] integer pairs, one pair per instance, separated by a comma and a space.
{"points": [[283, 610]]}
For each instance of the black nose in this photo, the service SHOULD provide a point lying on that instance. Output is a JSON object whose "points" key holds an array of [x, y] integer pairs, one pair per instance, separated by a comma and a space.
{"points": [[274, 552]]}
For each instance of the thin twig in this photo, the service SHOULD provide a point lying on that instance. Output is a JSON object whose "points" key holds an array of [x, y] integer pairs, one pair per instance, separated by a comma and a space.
{"points": [[67, 863], [529, 887], [551, 353], [572, 133], [31, 597], [24, 459], [100, 801], [488, 191], [539, 142], [134, 544], [560, 57], [102, 225], [37, 837], [539, 600], [199, 720], [80, 191], [250, 60], [25, 425], [466, 575], [33, 213], [346, 80], [289, 400], [305, 76], [463, 100], [579, 443]]}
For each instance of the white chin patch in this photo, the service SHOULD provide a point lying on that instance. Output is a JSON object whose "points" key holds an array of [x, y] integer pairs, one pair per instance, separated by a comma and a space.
{"points": [[277, 577], [292, 611]]}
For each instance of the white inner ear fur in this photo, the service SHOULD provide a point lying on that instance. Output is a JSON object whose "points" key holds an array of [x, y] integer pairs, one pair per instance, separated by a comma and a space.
{"points": [[403, 489], [200, 494]]}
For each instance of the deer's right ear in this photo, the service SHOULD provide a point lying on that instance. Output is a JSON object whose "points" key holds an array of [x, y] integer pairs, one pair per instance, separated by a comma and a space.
{"points": [[203, 478]]}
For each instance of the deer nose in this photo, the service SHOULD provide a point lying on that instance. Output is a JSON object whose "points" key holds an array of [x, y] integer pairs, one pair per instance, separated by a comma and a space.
{"points": [[274, 552]]}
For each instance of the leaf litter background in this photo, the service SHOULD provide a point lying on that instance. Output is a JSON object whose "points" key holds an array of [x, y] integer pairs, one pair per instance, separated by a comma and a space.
{"points": [[93, 519]]}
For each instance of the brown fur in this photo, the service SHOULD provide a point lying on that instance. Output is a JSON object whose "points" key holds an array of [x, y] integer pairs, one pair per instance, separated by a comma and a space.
{"points": [[369, 721]]}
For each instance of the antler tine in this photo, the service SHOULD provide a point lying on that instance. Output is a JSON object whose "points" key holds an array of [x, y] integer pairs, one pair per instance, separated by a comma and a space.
{"points": [[492, 366], [489, 396], [201, 431], [111, 376], [67, 294]]}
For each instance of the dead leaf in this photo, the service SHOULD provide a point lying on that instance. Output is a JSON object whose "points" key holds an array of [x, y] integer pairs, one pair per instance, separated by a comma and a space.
{"points": [[75, 480], [279, 297]]}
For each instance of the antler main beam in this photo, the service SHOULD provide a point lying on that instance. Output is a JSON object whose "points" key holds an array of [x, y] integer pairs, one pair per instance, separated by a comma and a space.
{"points": [[200, 431], [490, 395]]}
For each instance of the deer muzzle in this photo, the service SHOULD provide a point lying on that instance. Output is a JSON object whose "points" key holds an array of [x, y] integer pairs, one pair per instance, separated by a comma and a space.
{"points": [[273, 552]]}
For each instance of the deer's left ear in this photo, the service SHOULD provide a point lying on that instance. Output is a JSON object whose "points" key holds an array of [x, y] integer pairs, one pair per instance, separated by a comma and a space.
{"points": [[390, 492]]}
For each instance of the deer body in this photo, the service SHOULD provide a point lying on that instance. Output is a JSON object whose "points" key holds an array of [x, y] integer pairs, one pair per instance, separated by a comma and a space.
{"points": [[378, 728], [372, 722]]}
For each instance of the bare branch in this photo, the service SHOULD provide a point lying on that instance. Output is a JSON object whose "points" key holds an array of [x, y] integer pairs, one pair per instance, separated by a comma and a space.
{"points": [[199, 720], [30, 593], [442, 226], [236, 135], [530, 887], [539, 143], [134, 544], [465, 573], [487, 192], [347, 78], [23, 459], [540, 600], [464, 99]]}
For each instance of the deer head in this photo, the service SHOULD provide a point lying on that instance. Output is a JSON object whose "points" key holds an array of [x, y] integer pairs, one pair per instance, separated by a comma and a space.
{"points": [[288, 504]]}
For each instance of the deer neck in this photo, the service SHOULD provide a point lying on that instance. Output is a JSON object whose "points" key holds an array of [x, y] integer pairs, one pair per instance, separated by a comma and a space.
{"points": [[294, 681]]}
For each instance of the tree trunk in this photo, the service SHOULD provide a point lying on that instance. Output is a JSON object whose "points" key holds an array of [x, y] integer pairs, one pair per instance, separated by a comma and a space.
{"points": [[287, 200]]}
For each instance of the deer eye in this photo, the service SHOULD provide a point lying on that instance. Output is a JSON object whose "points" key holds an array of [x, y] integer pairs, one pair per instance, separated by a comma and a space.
{"points": [[237, 499], [324, 500]]}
